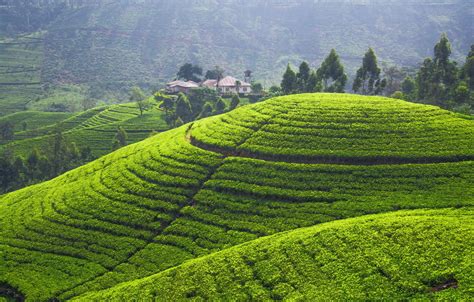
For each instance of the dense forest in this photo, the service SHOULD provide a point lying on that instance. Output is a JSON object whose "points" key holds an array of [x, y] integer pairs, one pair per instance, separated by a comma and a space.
{"points": [[105, 47]]}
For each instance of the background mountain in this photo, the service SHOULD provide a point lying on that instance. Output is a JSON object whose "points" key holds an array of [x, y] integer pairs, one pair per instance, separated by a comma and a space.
{"points": [[106, 46]]}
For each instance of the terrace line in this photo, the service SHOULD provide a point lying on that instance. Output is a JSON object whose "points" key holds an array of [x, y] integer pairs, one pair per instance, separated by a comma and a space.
{"points": [[332, 160]]}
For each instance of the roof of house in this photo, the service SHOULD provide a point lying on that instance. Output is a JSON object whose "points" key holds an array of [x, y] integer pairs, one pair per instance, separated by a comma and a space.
{"points": [[227, 81], [209, 83], [188, 84]]}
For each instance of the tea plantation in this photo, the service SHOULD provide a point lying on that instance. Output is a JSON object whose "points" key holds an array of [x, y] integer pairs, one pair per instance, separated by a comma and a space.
{"points": [[94, 128], [389, 256], [186, 213]]}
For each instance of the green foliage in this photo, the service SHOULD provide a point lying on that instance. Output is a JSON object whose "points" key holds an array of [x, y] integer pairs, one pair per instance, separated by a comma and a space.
{"points": [[437, 77], [389, 132], [190, 72], [220, 106], [203, 189], [183, 108], [398, 95], [302, 77], [367, 80], [409, 88], [120, 139], [138, 96], [257, 87], [214, 74], [234, 102], [358, 259], [289, 83], [331, 73]]}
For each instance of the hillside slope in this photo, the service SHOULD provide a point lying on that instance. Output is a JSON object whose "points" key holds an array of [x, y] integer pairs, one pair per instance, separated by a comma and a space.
{"points": [[275, 166], [378, 257], [111, 44], [94, 128]]}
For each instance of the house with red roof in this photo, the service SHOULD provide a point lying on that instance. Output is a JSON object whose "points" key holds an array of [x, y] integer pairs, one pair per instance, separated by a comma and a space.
{"points": [[181, 86], [228, 85]]}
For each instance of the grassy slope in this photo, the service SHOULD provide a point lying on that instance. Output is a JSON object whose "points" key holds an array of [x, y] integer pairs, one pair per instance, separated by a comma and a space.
{"points": [[95, 128], [34, 119], [20, 71], [386, 256], [156, 204]]}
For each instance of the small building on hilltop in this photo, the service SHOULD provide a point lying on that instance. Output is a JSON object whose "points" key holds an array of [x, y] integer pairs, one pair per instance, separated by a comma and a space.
{"points": [[181, 86], [228, 85]]}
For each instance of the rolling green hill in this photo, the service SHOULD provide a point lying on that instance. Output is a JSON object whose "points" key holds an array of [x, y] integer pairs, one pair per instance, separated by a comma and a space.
{"points": [[276, 166], [94, 128], [358, 259]]}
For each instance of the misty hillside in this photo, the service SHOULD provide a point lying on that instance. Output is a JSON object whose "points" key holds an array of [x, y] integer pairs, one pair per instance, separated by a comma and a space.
{"points": [[110, 43]]}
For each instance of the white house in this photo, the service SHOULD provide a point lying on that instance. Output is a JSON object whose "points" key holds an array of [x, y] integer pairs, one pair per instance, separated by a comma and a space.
{"points": [[228, 85], [181, 86]]}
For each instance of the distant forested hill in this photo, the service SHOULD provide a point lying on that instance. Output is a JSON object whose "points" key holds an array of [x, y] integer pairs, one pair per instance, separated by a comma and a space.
{"points": [[112, 44]]}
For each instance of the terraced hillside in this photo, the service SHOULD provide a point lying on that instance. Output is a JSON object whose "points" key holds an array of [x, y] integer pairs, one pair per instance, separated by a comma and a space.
{"points": [[20, 71], [276, 166], [94, 128], [357, 259]]}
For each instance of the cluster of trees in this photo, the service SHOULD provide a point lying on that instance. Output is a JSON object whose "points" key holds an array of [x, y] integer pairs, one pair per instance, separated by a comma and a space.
{"points": [[441, 82], [438, 81], [329, 77], [40, 165], [200, 103]]}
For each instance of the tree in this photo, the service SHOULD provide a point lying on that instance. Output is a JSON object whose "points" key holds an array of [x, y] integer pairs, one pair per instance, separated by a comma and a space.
{"points": [[206, 111], [467, 71], [60, 153], [190, 72], [331, 73], [437, 77], [461, 93], [275, 90], [198, 97], [166, 102], [220, 106], [234, 102], [183, 108], [398, 95], [214, 74], [394, 76], [368, 79], [289, 82], [408, 87], [314, 83], [302, 77], [257, 88], [120, 139], [137, 96]]}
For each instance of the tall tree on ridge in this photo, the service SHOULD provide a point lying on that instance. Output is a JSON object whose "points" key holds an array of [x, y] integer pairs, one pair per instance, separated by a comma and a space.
{"points": [[289, 82], [302, 77], [437, 77], [368, 79], [331, 73]]}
